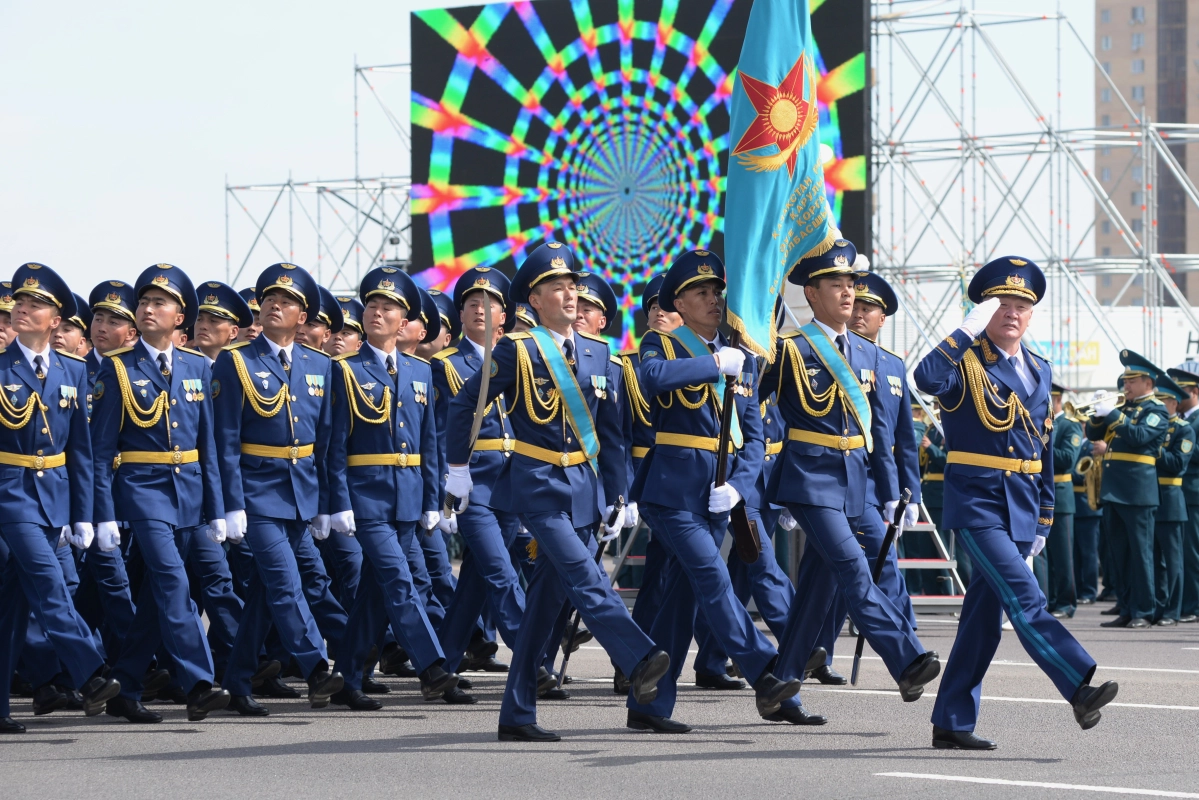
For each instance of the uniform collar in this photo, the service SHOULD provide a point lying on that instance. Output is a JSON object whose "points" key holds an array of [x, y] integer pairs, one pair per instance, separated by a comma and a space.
{"points": [[169, 352], [30, 355], [832, 334], [382, 357], [467, 344], [276, 348], [559, 339]]}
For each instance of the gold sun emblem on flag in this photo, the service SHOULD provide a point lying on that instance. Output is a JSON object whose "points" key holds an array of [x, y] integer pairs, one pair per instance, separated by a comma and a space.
{"points": [[784, 118]]}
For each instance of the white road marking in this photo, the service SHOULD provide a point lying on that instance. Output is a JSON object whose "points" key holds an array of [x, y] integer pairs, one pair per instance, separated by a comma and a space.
{"points": [[1076, 787], [1046, 700], [1102, 667]]}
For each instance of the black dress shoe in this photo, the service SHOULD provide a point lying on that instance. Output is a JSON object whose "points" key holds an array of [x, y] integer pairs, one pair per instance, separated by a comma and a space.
{"points": [[1139, 622], [546, 680], [655, 724], [266, 669], [435, 681], [1186, 619], [1086, 601], [1061, 613], [644, 680], [10, 725], [20, 687], [817, 660], [920, 672], [155, 680], [488, 664], [465, 683], [456, 697], [1118, 622], [97, 692], [131, 710], [581, 638], [47, 699], [247, 706], [372, 686], [355, 700], [1114, 611], [392, 660], [553, 693], [732, 670], [173, 694], [960, 740], [1089, 699], [829, 676], [1165, 622], [770, 692], [527, 733], [275, 687], [323, 684], [620, 683], [203, 700], [481, 649], [796, 715], [720, 682], [74, 699]]}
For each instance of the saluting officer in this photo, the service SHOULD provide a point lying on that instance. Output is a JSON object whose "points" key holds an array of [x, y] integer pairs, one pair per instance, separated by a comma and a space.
{"points": [[1172, 462], [567, 469], [1134, 434], [274, 419], [46, 484], [1188, 409], [156, 461], [999, 498], [1059, 549]]}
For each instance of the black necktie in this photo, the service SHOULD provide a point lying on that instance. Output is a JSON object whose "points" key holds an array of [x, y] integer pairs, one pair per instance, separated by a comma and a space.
{"points": [[391, 365], [843, 346], [283, 361], [164, 366], [39, 367], [568, 350]]}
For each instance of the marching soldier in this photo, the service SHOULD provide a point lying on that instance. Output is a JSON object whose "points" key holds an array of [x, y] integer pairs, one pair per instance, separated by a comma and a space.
{"points": [[156, 461], [567, 469], [248, 333], [71, 336], [7, 334], [351, 336], [1189, 410], [1134, 434], [821, 379], [999, 496], [318, 329], [1172, 462], [432, 345], [1059, 548], [46, 485]]}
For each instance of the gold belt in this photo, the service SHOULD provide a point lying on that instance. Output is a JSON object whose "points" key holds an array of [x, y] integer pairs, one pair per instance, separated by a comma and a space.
{"points": [[774, 448], [384, 460], [640, 452], [686, 440], [934, 476], [1067, 478], [268, 451], [33, 462], [175, 457], [505, 445], [1133, 457], [1023, 466], [551, 456], [1080, 489], [1169, 481], [826, 439]]}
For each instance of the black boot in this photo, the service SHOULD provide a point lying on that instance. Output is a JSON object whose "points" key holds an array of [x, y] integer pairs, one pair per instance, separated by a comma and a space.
{"points": [[98, 690], [770, 692], [960, 740], [247, 706], [48, 699]]}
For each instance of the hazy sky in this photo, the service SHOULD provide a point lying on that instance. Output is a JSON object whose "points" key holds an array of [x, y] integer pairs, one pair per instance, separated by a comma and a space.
{"points": [[119, 121]]}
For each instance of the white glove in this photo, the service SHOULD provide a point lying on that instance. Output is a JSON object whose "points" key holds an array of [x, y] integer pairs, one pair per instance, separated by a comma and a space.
{"points": [[429, 520], [730, 359], [108, 536], [83, 535], [1104, 407], [722, 499], [612, 531], [632, 517], [889, 510], [343, 522], [787, 521], [63, 536], [911, 516], [978, 318], [448, 525], [1037, 546], [319, 527], [216, 531], [458, 482], [235, 525]]}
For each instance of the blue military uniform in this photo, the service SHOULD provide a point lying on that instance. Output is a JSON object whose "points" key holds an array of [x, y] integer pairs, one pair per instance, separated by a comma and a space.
{"points": [[1172, 462], [1059, 547], [1186, 378], [999, 498]]}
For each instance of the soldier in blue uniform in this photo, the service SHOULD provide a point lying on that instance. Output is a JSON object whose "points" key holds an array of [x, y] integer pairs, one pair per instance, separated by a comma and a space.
{"points": [[567, 469], [70, 337], [1172, 462], [447, 333], [7, 334], [274, 419], [1059, 549], [351, 336], [46, 482], [999, 497], [821, 377], [250, 333], [1134, 434], [156, 461], [1188, 409]]}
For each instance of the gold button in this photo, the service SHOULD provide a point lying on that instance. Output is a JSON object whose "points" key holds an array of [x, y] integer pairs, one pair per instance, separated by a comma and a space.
{"points": [[176, 469], [39, 452], [174, 424], [568, 440], [401, 423], [403, 444], [1011, 449], [1036, 455], [40, 473], [176, 447], [767, 441], [172, 402], [295, 419], [297, 441], [768, 419], [767, 458], [1008, 473], [45, 430]]}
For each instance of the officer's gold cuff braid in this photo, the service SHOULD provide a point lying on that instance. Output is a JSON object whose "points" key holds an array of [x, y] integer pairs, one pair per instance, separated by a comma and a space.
{"points": [[1045, 521], [637, 401], [826, 439], [686, 440], [33, 462], [384, 460], [1022, 466]]}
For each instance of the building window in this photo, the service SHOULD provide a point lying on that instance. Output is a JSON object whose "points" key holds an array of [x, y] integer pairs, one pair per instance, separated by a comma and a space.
{"points": [[1138, 66], [1105, 16], [1105, 121], [1107, 67], [1105, 43], [1107, 279], [1137, 226], [1138, 174], [1138, 198], [1105, 227], [1105, 175], [1105, 150], [1138, 41], [1138, 94], [1105, 95], [1138, 14]]}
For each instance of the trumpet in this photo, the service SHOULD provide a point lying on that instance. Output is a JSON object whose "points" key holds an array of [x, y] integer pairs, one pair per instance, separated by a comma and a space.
{"points": [[1082, 411]]}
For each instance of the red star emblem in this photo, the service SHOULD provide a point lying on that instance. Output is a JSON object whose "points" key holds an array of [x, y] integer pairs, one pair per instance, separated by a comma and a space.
{"points": [[784, 119]]}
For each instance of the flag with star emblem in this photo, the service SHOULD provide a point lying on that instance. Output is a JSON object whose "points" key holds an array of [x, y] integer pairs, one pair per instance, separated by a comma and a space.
{"points": [[776, 210]]}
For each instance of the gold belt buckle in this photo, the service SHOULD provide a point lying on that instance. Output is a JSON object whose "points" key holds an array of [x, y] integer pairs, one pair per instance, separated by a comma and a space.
{"points": [[39, 462], [402, 459], [1025, 467], [176, 457], [565, 460], [843, 443], [508, 445], [293, 452]]}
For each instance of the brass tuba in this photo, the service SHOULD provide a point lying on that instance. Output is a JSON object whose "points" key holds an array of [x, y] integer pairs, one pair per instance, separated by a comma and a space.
{"points": [[1091, 470]]}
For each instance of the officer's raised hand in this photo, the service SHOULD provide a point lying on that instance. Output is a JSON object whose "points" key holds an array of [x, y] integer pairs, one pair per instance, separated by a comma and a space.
{"points": [[730, 360], [978, 318]]}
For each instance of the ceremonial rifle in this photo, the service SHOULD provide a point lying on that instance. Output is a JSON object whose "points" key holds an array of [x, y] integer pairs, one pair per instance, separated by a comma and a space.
{"points": [[745, 530], [451, 502], [892, 532]]}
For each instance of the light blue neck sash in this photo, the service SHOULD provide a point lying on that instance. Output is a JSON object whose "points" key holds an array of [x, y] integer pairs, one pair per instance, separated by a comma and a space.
{"points": [[577, 412], [698, 348], [828, 353]]}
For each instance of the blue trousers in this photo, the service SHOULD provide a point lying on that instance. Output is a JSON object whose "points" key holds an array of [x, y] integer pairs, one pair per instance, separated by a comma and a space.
{"points": [[1130, 546], [1167, 567], [1086, 556], [104, 598], [32, 579], [871, 532], [833, 558], [330, 615], [565, 569], [1059, 555], [1002, 582], [241, 565], [763, 580], [343, 560], [166, 614], [432, 574], [212, 584], [275, 597], [387, 593], [487, 577], [649, 596]]}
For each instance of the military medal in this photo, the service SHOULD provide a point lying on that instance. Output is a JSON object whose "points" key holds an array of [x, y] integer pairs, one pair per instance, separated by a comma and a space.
{"points": [[600, 384], [66, 393]]}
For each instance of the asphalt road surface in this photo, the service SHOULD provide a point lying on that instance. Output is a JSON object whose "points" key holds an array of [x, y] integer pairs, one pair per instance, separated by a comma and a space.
{"points": [[874, 745]]}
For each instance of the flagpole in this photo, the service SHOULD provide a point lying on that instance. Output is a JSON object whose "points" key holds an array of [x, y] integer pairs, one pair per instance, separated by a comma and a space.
{"points": [[745, 530]]}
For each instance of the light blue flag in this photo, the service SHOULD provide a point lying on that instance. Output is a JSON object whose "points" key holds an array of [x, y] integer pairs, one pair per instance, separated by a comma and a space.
{"points": [[776, 211]]}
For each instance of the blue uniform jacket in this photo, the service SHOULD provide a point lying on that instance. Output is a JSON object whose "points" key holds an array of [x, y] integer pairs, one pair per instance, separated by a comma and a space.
{"points": [[681, 477], [182, 495], [895, 459], [813, 474], [638, 417], [1067, 441], [1172, 462], [774, 431], [60, 495], [92, 364], [267, 486], [451, 368], [1136, 429], [977, 497], [392, 493]]}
